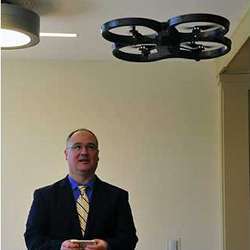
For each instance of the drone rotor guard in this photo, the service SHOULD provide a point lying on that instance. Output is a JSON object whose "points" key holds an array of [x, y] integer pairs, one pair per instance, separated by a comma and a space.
{"points": [[193, 36]]}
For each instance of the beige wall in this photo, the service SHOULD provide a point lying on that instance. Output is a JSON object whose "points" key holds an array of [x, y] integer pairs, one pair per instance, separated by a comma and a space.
{"points": [[158, 129]]}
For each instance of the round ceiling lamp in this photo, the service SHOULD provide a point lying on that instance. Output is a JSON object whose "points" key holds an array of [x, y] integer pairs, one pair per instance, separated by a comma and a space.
{"points": [[19, 27]]}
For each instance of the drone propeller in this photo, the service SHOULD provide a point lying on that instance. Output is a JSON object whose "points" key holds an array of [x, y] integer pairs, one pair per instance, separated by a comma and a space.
{"points": [[194, 46], [209, 24], [146, 49], [202, 27], [135, 33], [117, 30], [147, 46], [138, 49], [195, 50]]}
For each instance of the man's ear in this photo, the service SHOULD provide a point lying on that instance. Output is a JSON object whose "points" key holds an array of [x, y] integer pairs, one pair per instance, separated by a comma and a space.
{"points": [[66, 154]]}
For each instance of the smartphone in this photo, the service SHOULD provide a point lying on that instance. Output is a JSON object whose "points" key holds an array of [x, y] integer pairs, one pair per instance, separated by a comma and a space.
{"points": [[84, 243]]}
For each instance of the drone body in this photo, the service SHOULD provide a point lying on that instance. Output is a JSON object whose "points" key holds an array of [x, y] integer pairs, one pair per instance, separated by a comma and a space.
{"points": [[192, 36]]}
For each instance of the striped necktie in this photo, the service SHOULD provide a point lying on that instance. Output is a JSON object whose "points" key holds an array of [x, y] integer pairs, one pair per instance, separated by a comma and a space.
{"points": [[82, 205]]}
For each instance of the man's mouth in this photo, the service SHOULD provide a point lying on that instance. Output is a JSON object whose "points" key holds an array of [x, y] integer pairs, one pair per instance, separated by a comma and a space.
{"points": [[84, 160]]}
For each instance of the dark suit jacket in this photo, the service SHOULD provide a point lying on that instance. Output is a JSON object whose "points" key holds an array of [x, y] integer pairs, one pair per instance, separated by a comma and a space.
{"points": [[53, 217]]}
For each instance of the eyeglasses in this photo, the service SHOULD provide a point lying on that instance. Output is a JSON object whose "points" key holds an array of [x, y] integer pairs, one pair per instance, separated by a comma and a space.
{"points": [[77, 147]]}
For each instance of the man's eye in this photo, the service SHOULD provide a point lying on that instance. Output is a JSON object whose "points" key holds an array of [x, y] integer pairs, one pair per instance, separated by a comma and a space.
{"points": [[78, 147], [91, 146]]}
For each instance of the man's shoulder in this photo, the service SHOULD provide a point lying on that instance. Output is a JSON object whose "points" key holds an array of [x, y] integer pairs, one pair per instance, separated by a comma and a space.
{"points": [[109, 187], [54, 186]]}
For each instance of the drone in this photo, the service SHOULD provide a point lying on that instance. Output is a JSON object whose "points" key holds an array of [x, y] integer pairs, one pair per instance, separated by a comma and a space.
{"points": [[190, 36]]}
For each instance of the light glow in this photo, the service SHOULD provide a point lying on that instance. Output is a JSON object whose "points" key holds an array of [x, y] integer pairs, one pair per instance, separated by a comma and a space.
{"points": [[11, 38], [70, 35]]}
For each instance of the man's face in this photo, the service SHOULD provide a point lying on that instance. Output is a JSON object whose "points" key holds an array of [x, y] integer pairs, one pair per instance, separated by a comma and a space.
{"points": [[82, 154]]}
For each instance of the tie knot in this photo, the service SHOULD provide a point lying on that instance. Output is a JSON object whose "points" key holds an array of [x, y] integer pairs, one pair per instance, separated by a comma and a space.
{"points": [[82, 189]]}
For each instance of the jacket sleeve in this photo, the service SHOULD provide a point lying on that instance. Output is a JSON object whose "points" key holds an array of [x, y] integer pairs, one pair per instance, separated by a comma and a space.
{"points": [[124, 237], [36, 236]]}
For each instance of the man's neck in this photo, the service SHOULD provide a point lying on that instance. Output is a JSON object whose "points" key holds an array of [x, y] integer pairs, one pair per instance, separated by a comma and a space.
{"points": [[82, 179]]}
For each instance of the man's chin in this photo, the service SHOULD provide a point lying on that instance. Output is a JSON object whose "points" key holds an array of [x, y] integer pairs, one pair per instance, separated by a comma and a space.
{"points": [[84, 165], [86, 171]]}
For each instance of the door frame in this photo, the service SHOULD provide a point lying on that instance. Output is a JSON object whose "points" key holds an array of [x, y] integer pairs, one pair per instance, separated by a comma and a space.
{"points": [[234, 89]]}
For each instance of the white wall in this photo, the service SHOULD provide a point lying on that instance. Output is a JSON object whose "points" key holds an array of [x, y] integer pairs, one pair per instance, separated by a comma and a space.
{"points": [[157, 124]]}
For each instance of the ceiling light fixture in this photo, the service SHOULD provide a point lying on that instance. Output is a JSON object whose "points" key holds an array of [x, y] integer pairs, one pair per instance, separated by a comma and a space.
{"points": [[19, 27], [66, 35]]}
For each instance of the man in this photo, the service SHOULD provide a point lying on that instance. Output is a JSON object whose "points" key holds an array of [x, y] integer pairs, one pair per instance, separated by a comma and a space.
{"points": [[62, 212]]}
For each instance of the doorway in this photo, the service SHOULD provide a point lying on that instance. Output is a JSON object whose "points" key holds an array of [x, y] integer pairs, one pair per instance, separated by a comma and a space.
{"points": [[235, 110]]}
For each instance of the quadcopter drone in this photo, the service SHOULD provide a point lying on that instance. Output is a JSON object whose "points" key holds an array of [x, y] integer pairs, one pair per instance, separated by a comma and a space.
{"points": [[191, 36]]}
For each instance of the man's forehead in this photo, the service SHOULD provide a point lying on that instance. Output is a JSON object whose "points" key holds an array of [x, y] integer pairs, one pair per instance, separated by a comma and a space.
{"points": [[82, 136]]}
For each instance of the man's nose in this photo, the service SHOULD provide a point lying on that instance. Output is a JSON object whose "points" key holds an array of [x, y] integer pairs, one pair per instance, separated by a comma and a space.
{"points": [[84, 150]]}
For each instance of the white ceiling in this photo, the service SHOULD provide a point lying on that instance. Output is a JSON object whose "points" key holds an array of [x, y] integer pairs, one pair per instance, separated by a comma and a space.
{"points": [[85, 17]]}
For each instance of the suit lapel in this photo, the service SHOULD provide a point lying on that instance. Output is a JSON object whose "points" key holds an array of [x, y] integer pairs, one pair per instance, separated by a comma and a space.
{"points": [[68, 207], [96, 205]]}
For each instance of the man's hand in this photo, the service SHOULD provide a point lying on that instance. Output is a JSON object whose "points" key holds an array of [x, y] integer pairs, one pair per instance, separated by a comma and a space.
{"points": [[68, 245], [100, 245]]}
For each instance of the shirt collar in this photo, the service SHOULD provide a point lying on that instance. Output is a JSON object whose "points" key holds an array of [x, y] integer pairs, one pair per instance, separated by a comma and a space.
{"points": [[74, 184]]}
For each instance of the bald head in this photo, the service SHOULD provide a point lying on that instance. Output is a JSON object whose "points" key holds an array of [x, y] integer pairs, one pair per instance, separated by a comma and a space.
{"points": [[81, 130]]}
